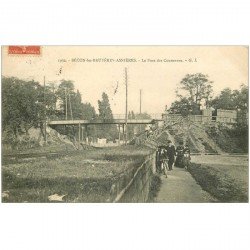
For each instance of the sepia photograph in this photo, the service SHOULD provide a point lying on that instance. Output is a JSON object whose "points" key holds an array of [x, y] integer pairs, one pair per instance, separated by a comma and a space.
{"points": [[124, 124]]}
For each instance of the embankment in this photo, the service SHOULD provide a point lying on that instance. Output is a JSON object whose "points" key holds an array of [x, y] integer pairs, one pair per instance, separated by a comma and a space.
{"points": [[227, 183]]}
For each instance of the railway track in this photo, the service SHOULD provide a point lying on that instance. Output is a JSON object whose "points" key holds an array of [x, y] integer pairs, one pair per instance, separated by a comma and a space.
{"points": [[48, 155], [6, 158]]}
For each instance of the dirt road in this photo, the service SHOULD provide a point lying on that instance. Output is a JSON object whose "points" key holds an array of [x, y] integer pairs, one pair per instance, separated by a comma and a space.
{"points": [[181, 187], [229, 182]]}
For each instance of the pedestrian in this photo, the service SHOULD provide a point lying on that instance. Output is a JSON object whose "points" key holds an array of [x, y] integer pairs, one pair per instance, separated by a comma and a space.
{"points": [[170, 154], [161, 159], [186, 150], [186, 157], [179, 155]]}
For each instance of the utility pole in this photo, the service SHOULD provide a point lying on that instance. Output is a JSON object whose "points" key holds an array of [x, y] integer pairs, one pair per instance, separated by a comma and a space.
{"points": [[45, 114], [126, 114], [70, 106], [140, 100], [140, 109], [66, 105]]}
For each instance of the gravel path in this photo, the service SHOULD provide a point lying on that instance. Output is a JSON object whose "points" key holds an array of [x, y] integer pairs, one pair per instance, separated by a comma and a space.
{"points": [[181, 187]]}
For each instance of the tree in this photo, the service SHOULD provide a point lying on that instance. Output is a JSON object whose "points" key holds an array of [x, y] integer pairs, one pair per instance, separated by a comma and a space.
{"points": [[76, 105], [197, 86], [72, 105], [184, 107], [22, 108], [105, 114], [241, 99], [142, 116], [65, 92], [47, 97], [89, 113], [142, 127], [131, 127], [240, 130], [26, 104], [232, 100], [226, 100]]}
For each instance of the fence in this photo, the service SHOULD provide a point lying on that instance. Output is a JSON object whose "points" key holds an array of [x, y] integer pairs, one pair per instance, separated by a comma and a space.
{"points": [[202, 118]]}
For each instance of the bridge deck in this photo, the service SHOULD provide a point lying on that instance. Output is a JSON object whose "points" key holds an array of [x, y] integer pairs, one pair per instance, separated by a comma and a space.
{"points": [[101, 122]]}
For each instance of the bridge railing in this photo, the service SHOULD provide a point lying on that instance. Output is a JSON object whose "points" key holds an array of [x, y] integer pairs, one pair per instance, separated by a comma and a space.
{"points": [[202, 118], [156, 116], [140, 117]]}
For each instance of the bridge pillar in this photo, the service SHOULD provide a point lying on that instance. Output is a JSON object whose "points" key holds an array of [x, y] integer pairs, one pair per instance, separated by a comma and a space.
{"points": [[86, 131], [119, 134], [82, 133], [79, 133], [123, 132]]}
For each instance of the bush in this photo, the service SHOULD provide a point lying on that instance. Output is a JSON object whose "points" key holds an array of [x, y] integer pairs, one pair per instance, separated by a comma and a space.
{"points": [[231, 140]]}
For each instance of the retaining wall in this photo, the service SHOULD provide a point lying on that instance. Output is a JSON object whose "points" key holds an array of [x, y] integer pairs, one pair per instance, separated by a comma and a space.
{"points": [[134, 186]]}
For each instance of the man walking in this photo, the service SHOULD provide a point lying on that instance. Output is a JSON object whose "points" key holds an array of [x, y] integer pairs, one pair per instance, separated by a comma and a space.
{"points": [[170, 154]]}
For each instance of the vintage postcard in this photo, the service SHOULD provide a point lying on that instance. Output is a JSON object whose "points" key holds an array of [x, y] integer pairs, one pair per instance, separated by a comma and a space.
{"points": [[166, 124]]}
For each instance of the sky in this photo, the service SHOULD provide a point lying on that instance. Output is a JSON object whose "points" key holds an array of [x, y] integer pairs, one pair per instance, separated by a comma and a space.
{"points": [[226, 66]]}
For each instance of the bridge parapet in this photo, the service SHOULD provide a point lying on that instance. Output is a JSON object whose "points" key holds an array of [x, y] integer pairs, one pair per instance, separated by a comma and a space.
{"points": [[155, 116], [100, 122], [200, 119]]}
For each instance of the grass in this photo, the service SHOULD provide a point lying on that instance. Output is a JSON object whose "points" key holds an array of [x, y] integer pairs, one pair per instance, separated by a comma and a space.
{"points": [[220, 183], [86, 176], [227, 140], [39, 149], [154, 187]]}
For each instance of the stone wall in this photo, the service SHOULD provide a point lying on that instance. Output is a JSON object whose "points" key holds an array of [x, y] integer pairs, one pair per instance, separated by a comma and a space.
{"points": [[134, 186]]}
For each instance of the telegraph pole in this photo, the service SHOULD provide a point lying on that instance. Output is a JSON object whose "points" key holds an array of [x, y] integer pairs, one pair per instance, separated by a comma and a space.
{"points": [[126, 114], [45, 131], [66, 105], [140, 100], [140, 109], [70, 106]]}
